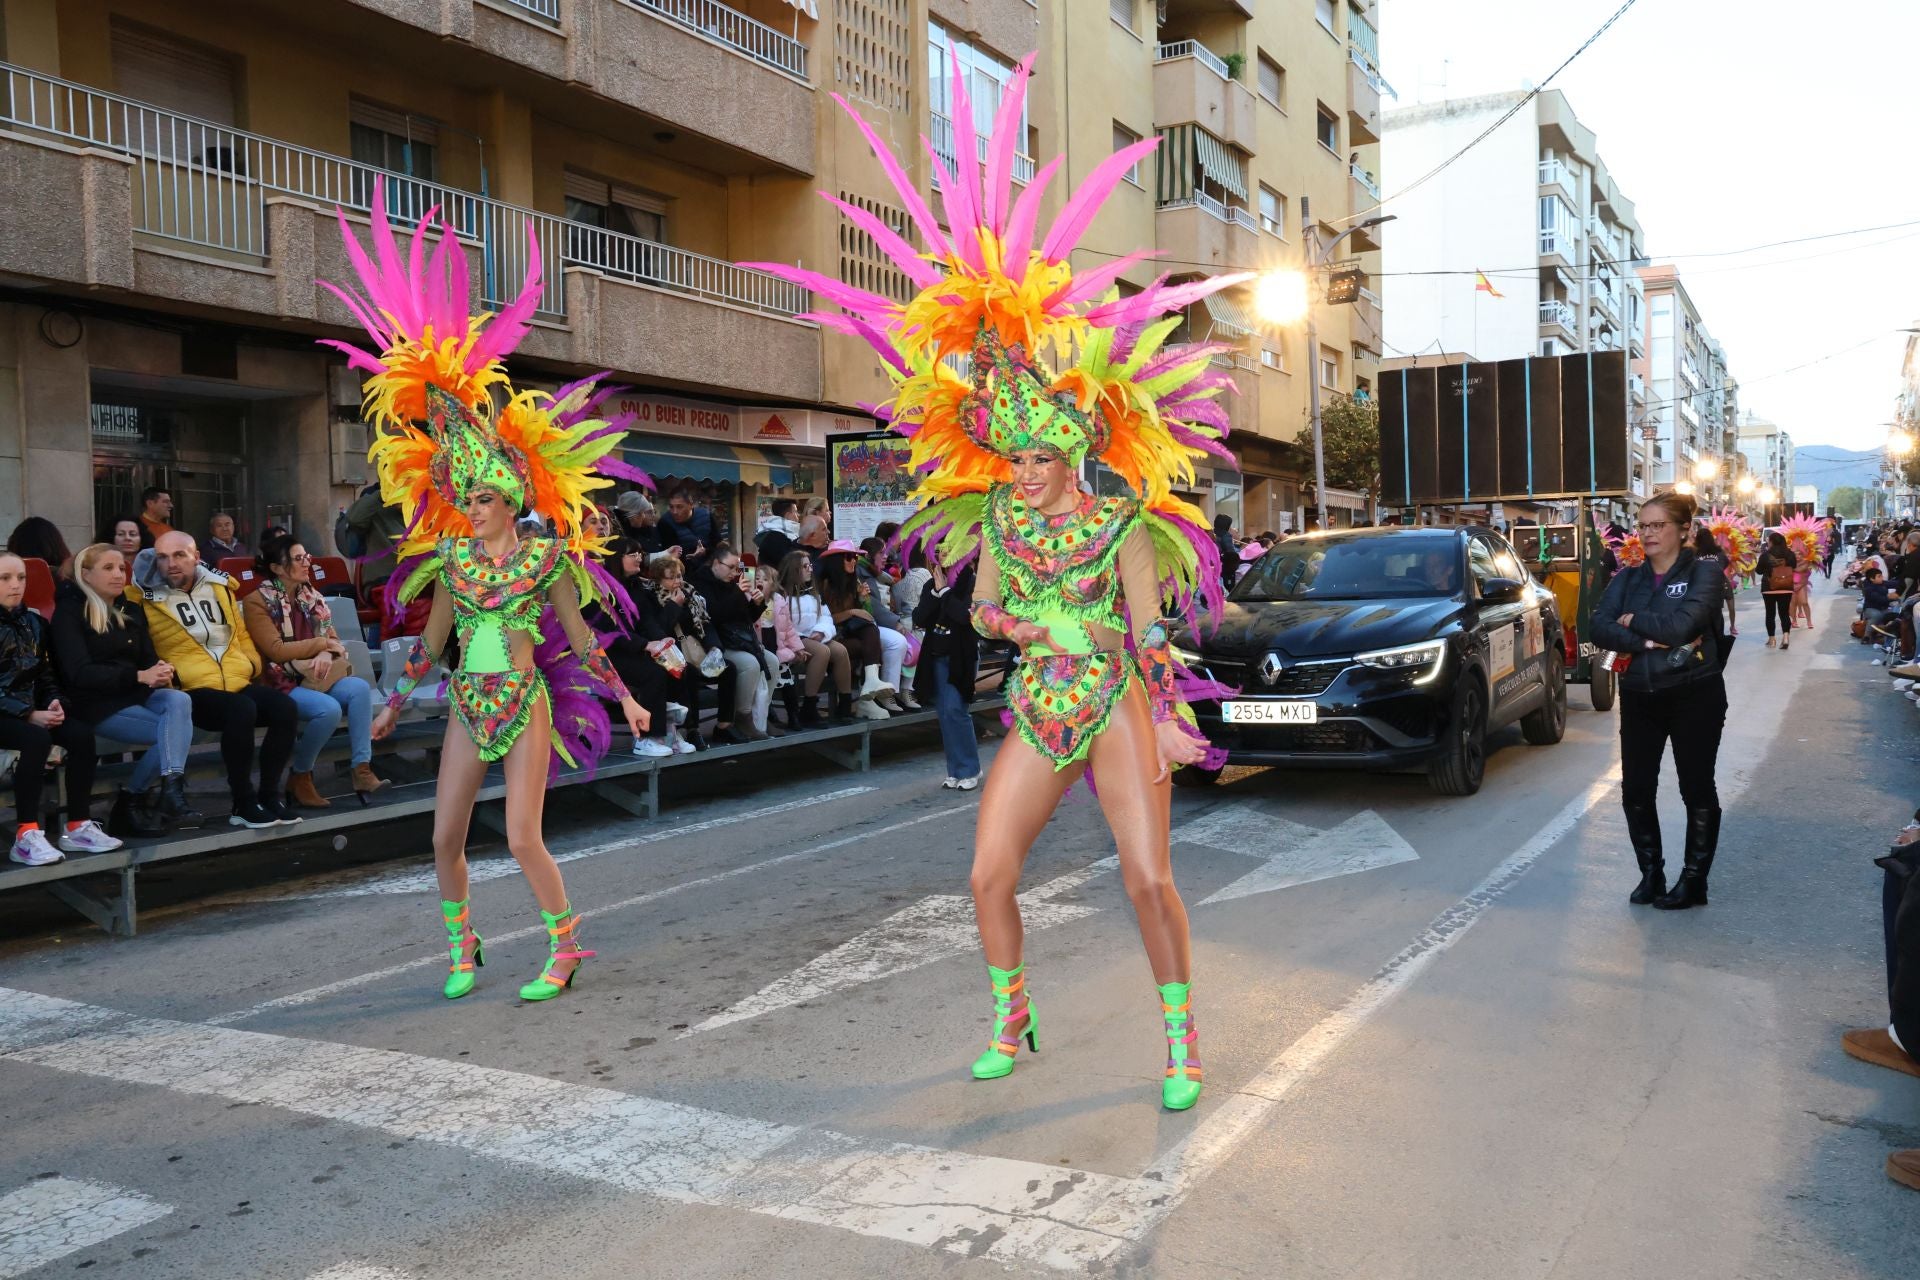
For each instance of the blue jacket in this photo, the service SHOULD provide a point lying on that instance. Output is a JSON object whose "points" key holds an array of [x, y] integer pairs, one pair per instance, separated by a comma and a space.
{"points": [[1684, 608]]}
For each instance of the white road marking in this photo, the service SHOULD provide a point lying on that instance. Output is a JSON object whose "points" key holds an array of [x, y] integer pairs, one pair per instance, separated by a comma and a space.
{"points": [[1361, 843], [360, 1271], [947, 1200], [931, 929], [1824, 662], [499, 868], [52, 1217], [1243, 829], [1142, 1204], [312, 994]]}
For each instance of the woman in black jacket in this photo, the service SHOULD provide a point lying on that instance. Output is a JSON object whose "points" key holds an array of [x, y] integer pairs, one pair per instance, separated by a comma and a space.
{"points": [[1776, 569], [625, 642], [949, 661], [116, 682], [1663, 618], [33, 721]]}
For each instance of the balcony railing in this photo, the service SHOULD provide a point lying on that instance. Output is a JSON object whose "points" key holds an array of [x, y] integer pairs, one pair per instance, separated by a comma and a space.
{"points": [[545, 10], [1365, 180], [1552, 171], [1371, 69], [941, 132], [206, 185], [1554, 311], [1240, 217], [1198, 200], [734, 29], [1193, 49]]}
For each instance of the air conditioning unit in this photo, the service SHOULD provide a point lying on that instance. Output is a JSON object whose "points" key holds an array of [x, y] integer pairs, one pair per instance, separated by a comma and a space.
{"points": [[351, 440], [343, 387]]}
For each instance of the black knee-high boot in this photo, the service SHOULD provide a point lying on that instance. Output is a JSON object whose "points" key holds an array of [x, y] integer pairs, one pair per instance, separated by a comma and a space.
{"points": [[1643, 829], [1690, 890]]}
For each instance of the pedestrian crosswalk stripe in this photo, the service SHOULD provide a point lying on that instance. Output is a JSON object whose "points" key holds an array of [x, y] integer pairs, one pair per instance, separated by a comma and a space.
{"points": [[951, 1200], [359, 1271], [52, 1217]]}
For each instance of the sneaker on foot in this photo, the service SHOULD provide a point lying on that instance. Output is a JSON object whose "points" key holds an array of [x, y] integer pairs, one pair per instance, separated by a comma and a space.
{"points": [[1910, 670], [676, 713], [253, 814], [88, 838], [966, 784], [282, 811], [651, 748], [32, 849]]}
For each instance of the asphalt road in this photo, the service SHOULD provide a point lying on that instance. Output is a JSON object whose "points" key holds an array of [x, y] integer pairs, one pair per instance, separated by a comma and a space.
{"points": [[1438, 1042]]}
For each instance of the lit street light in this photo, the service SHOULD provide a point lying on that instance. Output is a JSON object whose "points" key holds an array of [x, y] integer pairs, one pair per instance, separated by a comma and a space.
{"points": [[1706, 469], [1745, 486], [1283, 297]]}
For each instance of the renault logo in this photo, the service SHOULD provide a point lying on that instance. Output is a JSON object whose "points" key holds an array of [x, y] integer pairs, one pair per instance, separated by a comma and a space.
{"points": [[1271, 668]]}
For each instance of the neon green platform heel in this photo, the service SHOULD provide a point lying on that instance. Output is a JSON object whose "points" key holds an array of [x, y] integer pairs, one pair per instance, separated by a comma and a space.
{"points": [[561, 945], [1013, 1021], [1181, 1088], [460, 968]]}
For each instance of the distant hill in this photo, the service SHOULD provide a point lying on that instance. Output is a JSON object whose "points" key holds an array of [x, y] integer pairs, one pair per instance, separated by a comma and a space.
{"points": [[1829, 467]]}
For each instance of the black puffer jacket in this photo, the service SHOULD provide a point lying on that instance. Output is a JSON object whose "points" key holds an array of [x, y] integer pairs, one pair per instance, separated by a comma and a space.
{"points": [[100, 670], [1684, 608], [26, 668]]}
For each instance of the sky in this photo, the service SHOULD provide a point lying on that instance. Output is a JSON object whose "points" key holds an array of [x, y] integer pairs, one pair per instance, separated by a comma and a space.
{"points": [[1730, 124]]}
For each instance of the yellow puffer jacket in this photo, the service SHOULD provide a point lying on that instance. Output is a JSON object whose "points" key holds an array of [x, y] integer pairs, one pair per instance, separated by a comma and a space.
{"points": [[199, 631]]}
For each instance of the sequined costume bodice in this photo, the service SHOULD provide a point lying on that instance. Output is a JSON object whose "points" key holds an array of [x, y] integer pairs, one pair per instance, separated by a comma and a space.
{"points": [[1061, 571], [493, 598]]}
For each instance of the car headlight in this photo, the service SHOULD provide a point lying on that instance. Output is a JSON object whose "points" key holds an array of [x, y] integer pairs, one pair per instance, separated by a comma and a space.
{"points": [[1424, 658]]}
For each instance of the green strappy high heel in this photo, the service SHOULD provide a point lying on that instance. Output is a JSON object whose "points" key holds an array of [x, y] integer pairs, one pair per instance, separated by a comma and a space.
{"points": [[1181, 1088], [460, 969], [561, 945], [1013, 1021]]}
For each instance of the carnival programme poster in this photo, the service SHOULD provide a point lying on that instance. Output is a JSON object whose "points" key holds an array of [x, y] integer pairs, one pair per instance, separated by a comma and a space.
{"points": [[869, 477]]}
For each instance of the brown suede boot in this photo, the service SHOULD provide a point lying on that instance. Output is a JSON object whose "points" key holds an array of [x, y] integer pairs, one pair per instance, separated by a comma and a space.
{"points": [[1873, 1044], [1904, 1168], [300, 790], [365, 780]]}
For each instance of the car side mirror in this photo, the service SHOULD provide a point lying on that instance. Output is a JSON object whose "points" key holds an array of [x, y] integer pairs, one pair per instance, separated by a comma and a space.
{"points": [[1501, 590]]}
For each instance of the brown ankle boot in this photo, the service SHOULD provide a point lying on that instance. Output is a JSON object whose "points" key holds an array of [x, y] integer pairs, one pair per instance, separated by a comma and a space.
{"points": [[301, 791], [1904, 1168], [364, 779]]}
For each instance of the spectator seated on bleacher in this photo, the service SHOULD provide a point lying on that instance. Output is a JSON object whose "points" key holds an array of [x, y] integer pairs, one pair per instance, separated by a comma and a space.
{"points": [[735, 616], [115, 681], [291, 624], [33, 722], [631, 645], [673, 619], [38, 538], [222, 542], [803, 634], [197, 628]]}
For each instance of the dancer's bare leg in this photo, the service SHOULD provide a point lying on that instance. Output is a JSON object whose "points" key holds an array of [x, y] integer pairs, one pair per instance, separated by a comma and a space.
{"points": [[525, 767], [1125, 762], [461, 773], [1022, 790]]}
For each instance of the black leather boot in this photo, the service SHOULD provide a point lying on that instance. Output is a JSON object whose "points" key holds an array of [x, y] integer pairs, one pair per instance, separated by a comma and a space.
{"points": [[843, 708], [1690, 890], [1643, 829], [130, 816], [790, 702], [810, 712], [174, 806]]}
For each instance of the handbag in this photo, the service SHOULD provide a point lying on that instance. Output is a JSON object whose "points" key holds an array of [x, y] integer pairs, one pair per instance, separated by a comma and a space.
{"points": [[1780, 578], [306, 670], [1859, 628]]}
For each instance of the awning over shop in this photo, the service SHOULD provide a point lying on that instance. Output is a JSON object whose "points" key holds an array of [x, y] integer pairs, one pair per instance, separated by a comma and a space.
{"points": [[1227, 314], [707, 460], [1345, 499], [809, 7]]}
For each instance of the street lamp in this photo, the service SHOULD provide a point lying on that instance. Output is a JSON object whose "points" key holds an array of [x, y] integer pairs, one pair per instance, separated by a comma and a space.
{"points": [[1706, 469], [1767, 495], [1283, 297]]}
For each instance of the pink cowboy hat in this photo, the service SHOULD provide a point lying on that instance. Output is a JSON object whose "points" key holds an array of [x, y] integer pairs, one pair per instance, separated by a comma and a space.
{"points": [[842, 547]]}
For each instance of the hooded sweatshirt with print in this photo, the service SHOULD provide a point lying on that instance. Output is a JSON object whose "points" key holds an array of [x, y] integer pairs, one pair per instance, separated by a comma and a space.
{"points": [[198, 630]]}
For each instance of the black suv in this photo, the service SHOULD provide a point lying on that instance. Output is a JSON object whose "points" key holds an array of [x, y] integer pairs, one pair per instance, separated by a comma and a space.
{"points": [[1382, 649]]}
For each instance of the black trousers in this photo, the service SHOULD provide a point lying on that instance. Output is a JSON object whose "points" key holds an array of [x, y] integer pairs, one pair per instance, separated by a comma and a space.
{"points": [[1900, 906], [1691, 716], [1780, 606], [35, 744], [234, 716]]}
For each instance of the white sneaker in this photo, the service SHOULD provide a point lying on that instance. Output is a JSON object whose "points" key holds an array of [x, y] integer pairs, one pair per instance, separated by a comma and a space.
{"points": [[681, 747], [871, 711], [88, 838], [950, 784], [966, 784], [676, 713], [1903, 685], [31, 848], [651, 748]]}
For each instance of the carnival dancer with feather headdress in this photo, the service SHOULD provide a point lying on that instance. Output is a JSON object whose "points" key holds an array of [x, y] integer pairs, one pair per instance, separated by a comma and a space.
{"points": [[1080, 583], [463, 454]]}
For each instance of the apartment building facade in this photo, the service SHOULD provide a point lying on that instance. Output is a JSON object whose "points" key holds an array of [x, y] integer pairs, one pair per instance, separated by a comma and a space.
{"points": [[169, 173], [1768, 450], [1522, 246], [1691, 428]]}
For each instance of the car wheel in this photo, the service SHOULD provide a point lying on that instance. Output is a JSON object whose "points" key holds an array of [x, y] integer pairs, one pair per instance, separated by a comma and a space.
{"points": [[1461, 767], [1192, 775], [1601, 688], [1547, 724]]}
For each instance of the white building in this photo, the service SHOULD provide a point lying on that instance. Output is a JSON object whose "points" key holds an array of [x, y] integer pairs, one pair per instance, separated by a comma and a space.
{"points": [[1522, 246], [1769, 454]]}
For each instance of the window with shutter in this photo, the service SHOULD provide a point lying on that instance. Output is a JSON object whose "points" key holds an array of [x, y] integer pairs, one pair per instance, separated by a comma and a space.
{"points": [[1323, 13], [1273, 211], [1327, 129], [1273, 82], [1123, 138], [153, 67], [1122, 11]]}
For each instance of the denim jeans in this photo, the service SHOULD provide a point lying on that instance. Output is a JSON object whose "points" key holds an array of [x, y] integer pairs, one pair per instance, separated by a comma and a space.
{"points": [[956, 726], [320, 715], [165, 723]]}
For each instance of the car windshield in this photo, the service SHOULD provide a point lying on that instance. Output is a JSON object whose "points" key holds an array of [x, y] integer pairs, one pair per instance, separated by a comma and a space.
{"points": [[1375, 567]]}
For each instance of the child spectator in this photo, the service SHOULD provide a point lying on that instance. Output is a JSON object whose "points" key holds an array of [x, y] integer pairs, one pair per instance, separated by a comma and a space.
{"points": [[804, 630]]}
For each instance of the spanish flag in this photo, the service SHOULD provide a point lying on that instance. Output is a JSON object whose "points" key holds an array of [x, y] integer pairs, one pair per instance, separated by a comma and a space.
{"points": [[1483, 285]]}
